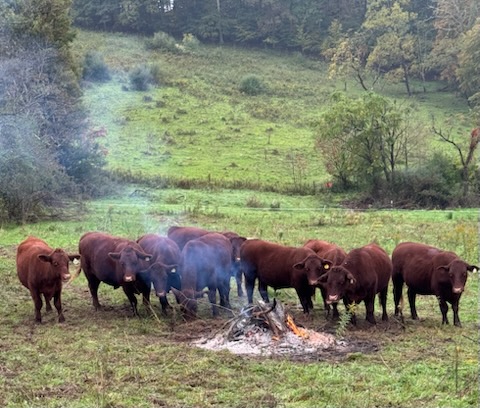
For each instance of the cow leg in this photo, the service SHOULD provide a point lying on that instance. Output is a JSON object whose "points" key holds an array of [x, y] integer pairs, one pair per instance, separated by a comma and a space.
{"points": [[335, 314], [212, 298], [93, 284], [132, 298], [456, 319], [262, 289], [444, 309], [238, 279], [57, 301], [383, 301], [37, 301], [249, 282], [397, 293], [48, 306], [326, 306], [164, 304], [411, 300], [370, 306], [224, 292]]}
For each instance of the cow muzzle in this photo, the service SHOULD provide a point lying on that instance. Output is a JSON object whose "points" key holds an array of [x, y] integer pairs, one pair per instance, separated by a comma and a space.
{"points": [[129, 278], [457, 289], [332, 299], [66, 277], [161, 294]]}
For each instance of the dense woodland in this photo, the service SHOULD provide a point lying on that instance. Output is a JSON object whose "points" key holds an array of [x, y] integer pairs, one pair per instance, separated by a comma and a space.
{"points": [[48, 153]]}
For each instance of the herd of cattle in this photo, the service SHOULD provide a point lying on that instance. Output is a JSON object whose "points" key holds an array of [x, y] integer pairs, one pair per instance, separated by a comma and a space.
{"points": [[188, 260]]}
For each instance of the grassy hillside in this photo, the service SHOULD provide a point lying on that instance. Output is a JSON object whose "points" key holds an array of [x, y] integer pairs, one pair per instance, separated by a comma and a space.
{"points": [[198, 125]]}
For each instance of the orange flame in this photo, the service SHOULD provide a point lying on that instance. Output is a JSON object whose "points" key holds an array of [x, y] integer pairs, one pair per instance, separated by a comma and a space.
{"points": [[295, 329]]}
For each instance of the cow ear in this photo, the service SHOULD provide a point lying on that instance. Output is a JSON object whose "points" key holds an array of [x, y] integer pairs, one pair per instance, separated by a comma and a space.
{"points": [[351, 279], [45, 258], [114, 255], [74, 258], [299, 265], [472, 268], [443, 268]]}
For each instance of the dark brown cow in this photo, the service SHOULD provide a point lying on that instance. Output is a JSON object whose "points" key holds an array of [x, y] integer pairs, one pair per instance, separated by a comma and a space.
{"points": [[206, 262], [280, 267], [365, 272], [117, 262], [42, 270], [166, 275], [427, 270], [333, 253], [181, 235]]}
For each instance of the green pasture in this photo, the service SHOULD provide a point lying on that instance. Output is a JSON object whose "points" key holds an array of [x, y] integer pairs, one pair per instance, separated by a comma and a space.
{"points": [[198, 126], [110, 359]]}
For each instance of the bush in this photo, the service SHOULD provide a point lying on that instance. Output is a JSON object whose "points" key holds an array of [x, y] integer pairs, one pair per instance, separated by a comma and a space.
{"points": [[251, 85], [162, 41], [156, 74], [94, 68], [190, 43], [140, 78]]}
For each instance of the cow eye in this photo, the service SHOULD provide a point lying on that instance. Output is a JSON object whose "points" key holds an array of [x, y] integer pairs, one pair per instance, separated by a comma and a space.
{"points": [[55, 263]]}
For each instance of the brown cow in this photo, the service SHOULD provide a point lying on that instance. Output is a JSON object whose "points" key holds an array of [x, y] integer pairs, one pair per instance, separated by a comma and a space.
{"points": [[166, 254], [427, 270], [181, 235], [42, 270], [333, 253], [280, 267], [117, 262], [365, 272], [206, 262]]}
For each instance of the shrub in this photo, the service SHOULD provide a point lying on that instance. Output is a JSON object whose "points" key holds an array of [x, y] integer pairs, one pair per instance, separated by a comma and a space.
{"points": [[140, 78], [254, 202], [190, 43], [251, 85], [94, 68], [156, 74], [162, 41]]}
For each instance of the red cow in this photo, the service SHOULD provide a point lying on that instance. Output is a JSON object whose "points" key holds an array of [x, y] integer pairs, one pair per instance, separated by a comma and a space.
{"points": [[206, 262], [166, 254], [280, 267], [333, 253], [42, 270], [181, 235], [427, 270], [365, 272], [117, 262]]}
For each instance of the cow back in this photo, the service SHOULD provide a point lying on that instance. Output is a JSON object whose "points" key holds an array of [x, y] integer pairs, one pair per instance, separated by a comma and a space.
{"points": [[272, 263], [181, 235]]}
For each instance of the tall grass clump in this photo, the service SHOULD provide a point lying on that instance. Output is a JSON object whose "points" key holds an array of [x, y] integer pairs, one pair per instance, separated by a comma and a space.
{"points": [[252, 85], [94, 68], [162, 41], [190, 43], [140, 78]]}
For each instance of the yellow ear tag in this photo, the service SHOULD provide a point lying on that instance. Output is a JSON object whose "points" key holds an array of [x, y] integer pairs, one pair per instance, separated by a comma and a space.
{"points": [[326, 266], [173, 270]]}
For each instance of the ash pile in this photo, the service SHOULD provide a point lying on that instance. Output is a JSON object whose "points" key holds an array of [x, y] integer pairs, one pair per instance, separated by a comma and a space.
{"points": [[266, 329]]}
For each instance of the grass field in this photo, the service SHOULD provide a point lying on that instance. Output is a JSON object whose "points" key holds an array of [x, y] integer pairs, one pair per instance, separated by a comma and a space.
{"points": [[110, 359]]}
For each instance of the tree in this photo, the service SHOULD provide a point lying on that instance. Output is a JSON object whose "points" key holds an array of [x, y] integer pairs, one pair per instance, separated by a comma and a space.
{"points": [[466, 148], [468, 71], [453, 18], [365, 140], [394, 52]]}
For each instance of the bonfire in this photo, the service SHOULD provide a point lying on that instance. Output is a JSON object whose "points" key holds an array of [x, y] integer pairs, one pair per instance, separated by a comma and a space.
{"points": [[267, 329]]}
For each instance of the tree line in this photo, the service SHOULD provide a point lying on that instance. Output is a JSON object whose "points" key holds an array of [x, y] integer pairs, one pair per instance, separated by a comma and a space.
{"points": [[400, 39], [48, 157]]}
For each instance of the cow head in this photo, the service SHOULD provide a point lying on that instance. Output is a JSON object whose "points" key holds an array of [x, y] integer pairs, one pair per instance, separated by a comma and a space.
{"points": [[457, 274], [236, 244], [159, 274], [187, 299], [337, 282], [314, 267], [131, 261], [59, 260]]}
